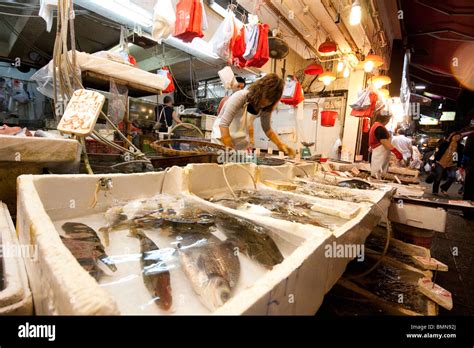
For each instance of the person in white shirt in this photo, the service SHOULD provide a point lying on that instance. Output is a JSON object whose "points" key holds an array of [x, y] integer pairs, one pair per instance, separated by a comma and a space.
{"points": [[404, 145]]}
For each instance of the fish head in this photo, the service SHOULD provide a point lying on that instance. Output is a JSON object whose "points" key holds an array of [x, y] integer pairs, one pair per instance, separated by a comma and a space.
{"points": [[216, 292]]}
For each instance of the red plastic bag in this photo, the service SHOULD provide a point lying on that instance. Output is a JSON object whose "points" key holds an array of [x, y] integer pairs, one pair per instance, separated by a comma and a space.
{"points": [[263, 52], [238, 49], [188, 20], [368, 112], [171, 86], [296, 98]]}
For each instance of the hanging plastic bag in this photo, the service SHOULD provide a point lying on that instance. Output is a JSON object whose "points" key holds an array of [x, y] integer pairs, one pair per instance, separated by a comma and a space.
{"points": [[205, 24], [289, 90], [221, 40], [251, 41], [296, 96], [164, 19], [46, 12], [263, 52], [188, 20], [238, 49], [368, 111], [363, 100], [170, 87], [227, 77]]}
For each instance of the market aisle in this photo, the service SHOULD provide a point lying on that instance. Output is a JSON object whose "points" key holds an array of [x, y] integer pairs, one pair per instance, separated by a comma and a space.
{"points": [[458, 240]]}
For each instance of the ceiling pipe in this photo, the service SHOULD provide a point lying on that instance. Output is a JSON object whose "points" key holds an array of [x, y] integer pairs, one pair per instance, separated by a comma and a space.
{"points": [[290, 26], [332, 12]]}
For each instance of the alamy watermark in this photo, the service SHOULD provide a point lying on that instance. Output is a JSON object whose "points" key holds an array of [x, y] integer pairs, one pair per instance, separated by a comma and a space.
{"points": [[346, 251], [19, 251], [236, 156]]}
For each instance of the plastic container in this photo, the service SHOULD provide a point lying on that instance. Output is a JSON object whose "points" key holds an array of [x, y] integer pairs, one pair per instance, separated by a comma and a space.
{"points": [[15, 295], [328, 118]]}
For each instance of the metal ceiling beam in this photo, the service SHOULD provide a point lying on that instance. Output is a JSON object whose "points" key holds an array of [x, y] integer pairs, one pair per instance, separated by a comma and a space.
{"points": [[433, 33], [447, 13], [432, 83]]}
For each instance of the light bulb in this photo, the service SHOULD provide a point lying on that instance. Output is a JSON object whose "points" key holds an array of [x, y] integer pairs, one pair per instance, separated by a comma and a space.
{"points": [[340, 66], [356, 13], [327, 82], [346, 72], [369, 66]]}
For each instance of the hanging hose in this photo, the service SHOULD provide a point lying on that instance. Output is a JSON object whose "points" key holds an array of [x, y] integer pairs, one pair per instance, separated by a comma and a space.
{"points": [[64, 69], [385, 250], [86, 156], [227, 181]]}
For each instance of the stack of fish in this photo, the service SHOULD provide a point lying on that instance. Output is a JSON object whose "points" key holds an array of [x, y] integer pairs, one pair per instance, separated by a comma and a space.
{"points": [[210, 264]]}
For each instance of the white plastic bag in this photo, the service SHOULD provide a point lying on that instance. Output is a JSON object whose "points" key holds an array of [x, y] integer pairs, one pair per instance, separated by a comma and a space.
{"points": [[164, 73], [164, 18], [289, 90], [222, 37], [204, 17], [46, 12], [251, 40], [227, 77], [363, 100]]}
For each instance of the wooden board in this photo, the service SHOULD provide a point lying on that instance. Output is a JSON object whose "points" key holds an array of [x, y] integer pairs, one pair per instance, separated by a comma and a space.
{"points": [[102, 82]]}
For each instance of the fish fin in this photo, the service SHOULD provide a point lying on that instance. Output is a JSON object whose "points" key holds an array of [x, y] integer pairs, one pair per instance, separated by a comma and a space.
{"points": [[105, 259]]}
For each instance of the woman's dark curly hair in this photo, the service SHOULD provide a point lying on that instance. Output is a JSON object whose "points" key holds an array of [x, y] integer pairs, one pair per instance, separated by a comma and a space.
{"points": [[269, 87]]}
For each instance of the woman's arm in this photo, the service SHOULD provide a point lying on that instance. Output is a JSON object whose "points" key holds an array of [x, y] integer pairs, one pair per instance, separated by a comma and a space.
{"points": [[233, 105], [265, 121]]}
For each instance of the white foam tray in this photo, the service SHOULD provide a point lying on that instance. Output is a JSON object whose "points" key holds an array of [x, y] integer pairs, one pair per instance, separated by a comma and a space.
{"points": [[15, 298]]}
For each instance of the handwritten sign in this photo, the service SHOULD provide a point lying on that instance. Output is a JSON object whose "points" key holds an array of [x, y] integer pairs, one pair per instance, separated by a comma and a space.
{"points": [[81, 113]]}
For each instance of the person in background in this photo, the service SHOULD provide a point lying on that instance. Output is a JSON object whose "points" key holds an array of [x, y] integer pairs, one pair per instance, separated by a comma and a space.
{"points": [[417, 157], [240, 86], [234, 125], [404, 145], [446, 159], [379, 143], [468, 165], [166, 115]]}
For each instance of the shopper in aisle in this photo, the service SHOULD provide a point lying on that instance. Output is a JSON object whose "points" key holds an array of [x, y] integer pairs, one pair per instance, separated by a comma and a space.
{"points": [[447, 157], [380, 145], [468, 164], [240, 86], [166, 115], [234, 125], [404, 145]]}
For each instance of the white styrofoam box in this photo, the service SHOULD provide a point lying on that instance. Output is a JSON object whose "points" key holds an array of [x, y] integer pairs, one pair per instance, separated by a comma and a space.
{"points": [[207, 134], [355, 230], [58, 283], [207, 121], [15, 297], [61, 286], [428, 218]]}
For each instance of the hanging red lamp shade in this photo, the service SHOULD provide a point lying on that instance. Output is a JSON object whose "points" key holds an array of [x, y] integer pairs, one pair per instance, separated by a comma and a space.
{"points": [[328, 46], [328, 118], [313, 69]]}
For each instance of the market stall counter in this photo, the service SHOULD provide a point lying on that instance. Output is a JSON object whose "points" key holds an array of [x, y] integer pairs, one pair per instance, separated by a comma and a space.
{"points": [[33, 155]]}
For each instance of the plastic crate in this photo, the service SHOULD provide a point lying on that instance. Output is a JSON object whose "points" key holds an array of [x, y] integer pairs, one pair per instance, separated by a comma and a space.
{"points": [[94, 146]]}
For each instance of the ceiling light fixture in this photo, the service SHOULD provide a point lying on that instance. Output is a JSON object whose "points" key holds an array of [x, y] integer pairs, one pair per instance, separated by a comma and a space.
{"points": [[356, 13], [340, 66], [346, 72], [379, 81], [327, 77], [372, 61]]}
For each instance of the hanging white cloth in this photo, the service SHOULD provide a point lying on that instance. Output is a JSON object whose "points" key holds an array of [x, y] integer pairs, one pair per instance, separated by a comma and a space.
{"points": [[164, 18]]}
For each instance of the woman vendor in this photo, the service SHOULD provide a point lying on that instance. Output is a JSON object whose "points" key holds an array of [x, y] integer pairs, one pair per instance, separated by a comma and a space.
{"points": [[379, 142], [234, 125]]}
